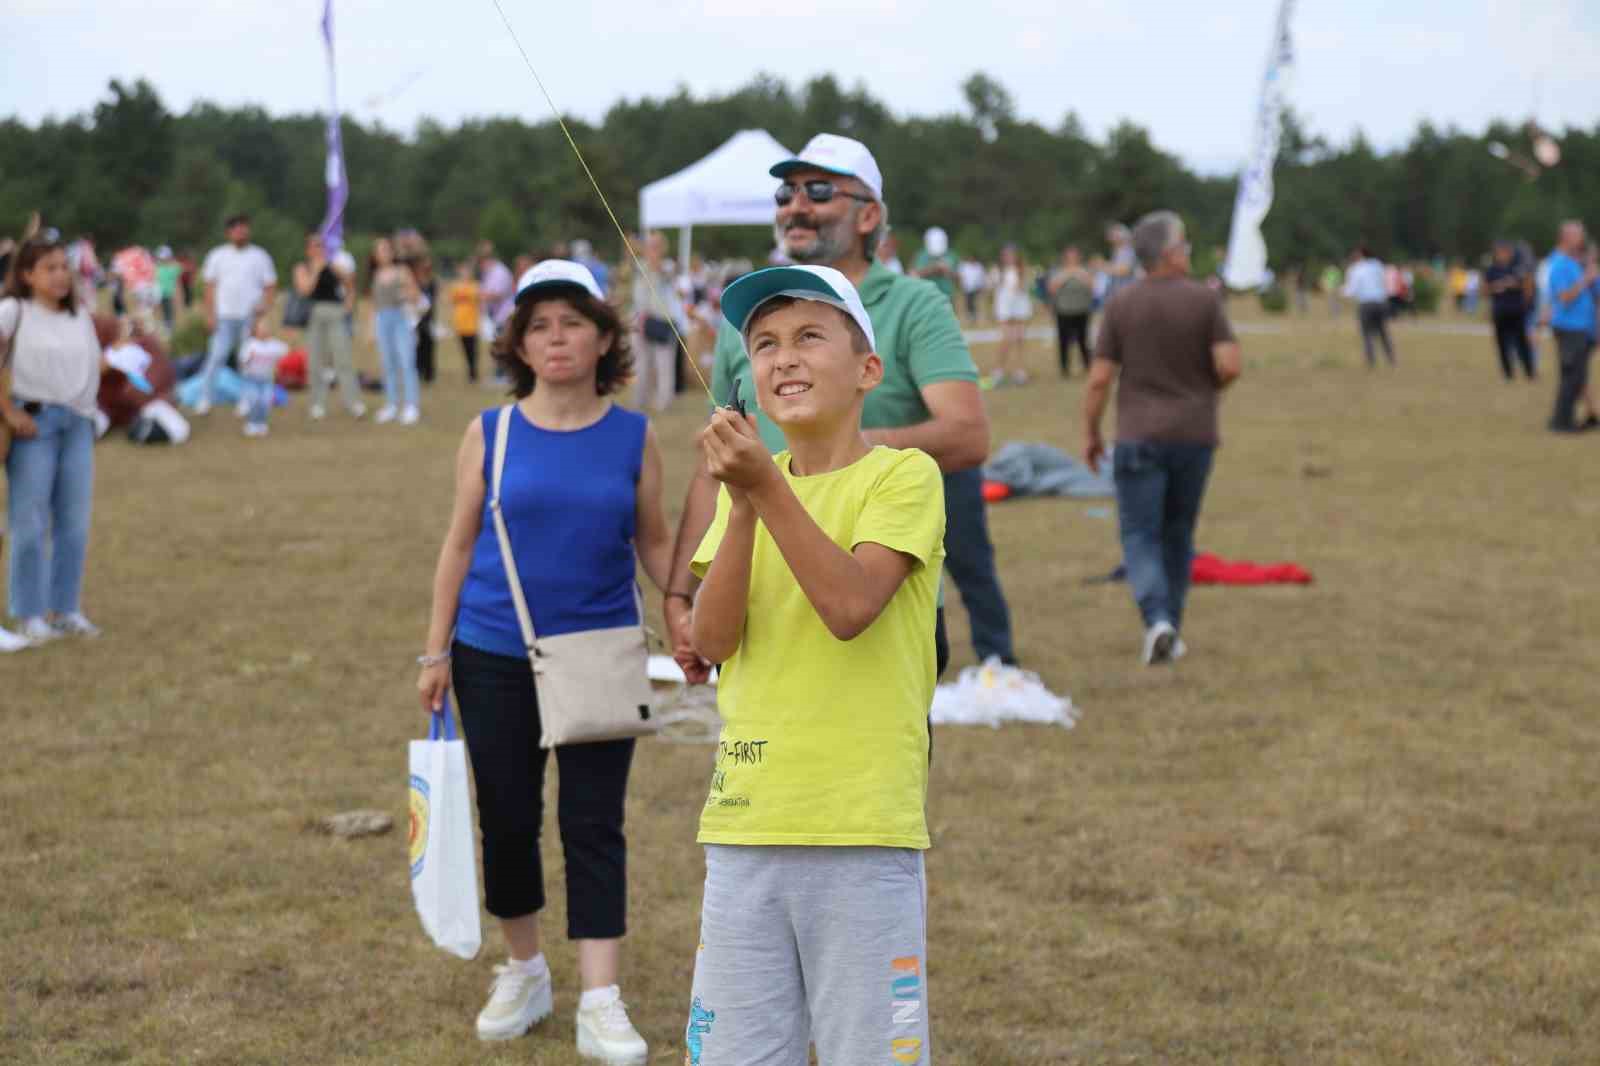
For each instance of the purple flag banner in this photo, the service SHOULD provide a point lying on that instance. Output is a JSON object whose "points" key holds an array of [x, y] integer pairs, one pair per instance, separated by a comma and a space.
{"points": [[338, 183]]}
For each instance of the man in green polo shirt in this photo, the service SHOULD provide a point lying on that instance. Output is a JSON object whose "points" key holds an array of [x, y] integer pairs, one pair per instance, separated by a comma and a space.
{"points": [[831, 213]]}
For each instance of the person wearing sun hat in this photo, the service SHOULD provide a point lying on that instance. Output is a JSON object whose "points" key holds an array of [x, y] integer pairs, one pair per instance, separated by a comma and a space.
{"points": [[581, 498], [820, 567], [831, 212]]}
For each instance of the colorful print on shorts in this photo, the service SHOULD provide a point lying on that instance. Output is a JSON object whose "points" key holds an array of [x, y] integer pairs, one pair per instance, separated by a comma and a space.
{"points": [[905, 986], [700, 1021]]}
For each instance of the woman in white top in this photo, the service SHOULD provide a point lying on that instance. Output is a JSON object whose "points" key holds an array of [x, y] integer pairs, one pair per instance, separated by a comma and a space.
{"points": [[1012, 307], [52, 361]]}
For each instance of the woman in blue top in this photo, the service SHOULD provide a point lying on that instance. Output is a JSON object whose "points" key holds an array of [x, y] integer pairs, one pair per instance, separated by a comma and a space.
{"points": [[581, 495]]}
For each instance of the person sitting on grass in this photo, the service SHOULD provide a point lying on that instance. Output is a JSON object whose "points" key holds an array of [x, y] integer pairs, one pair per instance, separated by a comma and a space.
{"points": [[821, 573]]}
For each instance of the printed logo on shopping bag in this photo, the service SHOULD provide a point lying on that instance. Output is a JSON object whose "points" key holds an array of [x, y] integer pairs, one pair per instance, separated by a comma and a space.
{"points": [[419, 824]]}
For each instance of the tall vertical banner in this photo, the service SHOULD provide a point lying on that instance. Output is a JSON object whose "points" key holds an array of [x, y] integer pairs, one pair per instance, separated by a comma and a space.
{"points": [[338, 184], [1246, 265]]}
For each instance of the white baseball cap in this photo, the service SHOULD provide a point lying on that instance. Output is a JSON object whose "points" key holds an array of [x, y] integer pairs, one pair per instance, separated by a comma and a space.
{"points": [[837, 155], [936, 240], [557, 273], [822, 284]]}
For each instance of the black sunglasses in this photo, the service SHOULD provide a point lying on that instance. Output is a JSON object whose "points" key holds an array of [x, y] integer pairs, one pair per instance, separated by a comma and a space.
{"points": [[818, 191]]}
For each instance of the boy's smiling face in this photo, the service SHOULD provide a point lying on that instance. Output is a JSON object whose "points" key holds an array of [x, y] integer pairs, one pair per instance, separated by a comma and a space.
{"points": [[811, 365]]}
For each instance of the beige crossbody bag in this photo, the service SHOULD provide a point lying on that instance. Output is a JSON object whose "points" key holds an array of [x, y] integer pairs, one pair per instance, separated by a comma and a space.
{"points": [[591, 685]]}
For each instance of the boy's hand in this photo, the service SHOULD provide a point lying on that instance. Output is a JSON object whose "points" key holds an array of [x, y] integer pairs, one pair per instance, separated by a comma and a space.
{"points": [[734, 453]]}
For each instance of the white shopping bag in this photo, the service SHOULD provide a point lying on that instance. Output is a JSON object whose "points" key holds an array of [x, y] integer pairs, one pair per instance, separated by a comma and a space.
{"points": [[444, 871]]}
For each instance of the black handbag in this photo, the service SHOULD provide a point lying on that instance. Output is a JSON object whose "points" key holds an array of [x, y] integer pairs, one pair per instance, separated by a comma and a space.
{"points": [[297, 311], [657, 330]]}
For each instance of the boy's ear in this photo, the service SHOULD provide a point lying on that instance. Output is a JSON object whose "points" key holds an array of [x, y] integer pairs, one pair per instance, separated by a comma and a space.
{"points": [[871, 372]]}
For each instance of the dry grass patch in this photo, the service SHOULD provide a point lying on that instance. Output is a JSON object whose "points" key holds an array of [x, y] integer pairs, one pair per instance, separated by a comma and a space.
{"points": [[1355, 826]]}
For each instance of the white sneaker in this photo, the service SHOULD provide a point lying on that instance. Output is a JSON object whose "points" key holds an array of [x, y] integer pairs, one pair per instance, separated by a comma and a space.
{"points": [[358, 410], [386, 413], [997, 379], [517, 1002], [606, 1034], [253, 430], [202, 408], [1020, 377], [1158, 642], [10, 642], [37, 631], [318, 412], [410, 416], [76, 625]]}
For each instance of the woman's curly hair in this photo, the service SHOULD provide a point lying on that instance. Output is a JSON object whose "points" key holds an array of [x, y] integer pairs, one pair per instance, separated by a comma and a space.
{"points": [[615, 368]]}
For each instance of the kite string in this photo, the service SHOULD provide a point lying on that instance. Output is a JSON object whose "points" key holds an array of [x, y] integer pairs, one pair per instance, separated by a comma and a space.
{"points": [[639, 268]]}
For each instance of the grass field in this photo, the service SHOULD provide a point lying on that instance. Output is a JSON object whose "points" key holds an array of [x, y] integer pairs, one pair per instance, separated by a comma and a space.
{"points": [[1356, 825]]}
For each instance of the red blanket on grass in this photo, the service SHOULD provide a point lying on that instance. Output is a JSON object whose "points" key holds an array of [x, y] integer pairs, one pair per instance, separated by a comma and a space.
{"points": [[1212, 570]]}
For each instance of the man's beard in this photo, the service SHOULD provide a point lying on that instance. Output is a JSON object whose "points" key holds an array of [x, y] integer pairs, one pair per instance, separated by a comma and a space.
{"points": [[831, 244]]}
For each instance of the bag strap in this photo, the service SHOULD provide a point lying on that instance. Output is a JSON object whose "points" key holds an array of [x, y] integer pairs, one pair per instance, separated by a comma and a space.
{"points": [[524, 619], [441, 726]]}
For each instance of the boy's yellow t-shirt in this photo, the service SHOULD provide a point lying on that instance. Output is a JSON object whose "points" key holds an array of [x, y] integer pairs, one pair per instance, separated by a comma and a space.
{"points": [[825, 741]]}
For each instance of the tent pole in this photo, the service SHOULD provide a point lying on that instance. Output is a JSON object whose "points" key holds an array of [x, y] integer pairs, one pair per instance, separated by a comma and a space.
{"points": [[685, 241]]}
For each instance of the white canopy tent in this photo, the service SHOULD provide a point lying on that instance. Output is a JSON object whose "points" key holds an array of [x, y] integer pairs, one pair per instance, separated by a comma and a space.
{"points": [[729, 187]]}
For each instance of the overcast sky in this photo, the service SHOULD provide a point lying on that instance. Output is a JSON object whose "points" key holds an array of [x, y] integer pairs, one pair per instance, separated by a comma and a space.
{"points": [[1188, 72]]}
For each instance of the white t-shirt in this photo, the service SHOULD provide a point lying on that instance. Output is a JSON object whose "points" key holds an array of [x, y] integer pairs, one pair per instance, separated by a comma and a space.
{"points": [[240, 275], [258, 359], [972, 275], [56, 358]]}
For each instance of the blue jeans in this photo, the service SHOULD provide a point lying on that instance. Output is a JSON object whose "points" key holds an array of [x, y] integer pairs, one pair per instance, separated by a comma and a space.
{"points": [[1159, 490], [259, 395], [51, 478], [230, 333], [969, 556], [397, 345]]}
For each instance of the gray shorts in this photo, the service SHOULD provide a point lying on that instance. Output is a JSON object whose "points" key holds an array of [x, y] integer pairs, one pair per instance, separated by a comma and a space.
{"points": [[803, 945]]}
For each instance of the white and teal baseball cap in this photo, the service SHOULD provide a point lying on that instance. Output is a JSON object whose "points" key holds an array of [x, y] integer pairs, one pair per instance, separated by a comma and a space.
{"points": [[822, 284], [837, 155]]}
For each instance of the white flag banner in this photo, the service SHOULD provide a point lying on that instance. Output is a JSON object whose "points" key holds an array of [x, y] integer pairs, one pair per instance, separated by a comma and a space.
{"points": [[1246, 265]]}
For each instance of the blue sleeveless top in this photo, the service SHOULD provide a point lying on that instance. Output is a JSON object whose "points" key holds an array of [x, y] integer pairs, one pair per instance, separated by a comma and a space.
{"points": [[569, 503]]}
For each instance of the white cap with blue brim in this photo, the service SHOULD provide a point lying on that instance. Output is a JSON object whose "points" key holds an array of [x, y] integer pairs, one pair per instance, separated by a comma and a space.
{"points": [[836, 155], [822, 284], [555, 274]]}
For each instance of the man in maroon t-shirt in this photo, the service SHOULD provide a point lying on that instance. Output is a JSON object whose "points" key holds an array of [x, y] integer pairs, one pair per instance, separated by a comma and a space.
{"points": [[1167, 342]]}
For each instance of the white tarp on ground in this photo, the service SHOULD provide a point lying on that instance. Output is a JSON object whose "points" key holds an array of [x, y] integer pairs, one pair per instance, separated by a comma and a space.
{"points": [[993, 693], [729, 187]]}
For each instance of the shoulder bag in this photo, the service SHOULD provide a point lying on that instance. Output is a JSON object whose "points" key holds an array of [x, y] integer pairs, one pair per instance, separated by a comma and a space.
{"points": [[591, 685]]}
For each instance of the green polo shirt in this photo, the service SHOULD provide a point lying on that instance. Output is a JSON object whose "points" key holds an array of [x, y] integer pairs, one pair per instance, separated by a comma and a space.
{"points": [[919, 341]]}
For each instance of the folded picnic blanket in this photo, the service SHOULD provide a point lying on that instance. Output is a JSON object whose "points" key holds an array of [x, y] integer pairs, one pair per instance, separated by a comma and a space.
{"points": [[1032, 469], [1212, 570]]}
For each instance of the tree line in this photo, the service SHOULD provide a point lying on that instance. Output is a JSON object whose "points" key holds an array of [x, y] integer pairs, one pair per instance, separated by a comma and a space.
{"points": [[133, 171]]}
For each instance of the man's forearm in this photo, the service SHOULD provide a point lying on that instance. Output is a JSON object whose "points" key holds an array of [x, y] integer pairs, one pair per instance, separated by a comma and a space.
{"points": [[1094, 404], [955, 444], [1569, 295], [699, 508]]}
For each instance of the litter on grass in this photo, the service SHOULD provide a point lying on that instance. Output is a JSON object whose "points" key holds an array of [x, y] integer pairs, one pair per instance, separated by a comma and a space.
{"points": [[995, 693]]}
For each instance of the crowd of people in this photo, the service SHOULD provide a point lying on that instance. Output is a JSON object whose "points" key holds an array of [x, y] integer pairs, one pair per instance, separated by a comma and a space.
{"points": [[837, 480]]}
